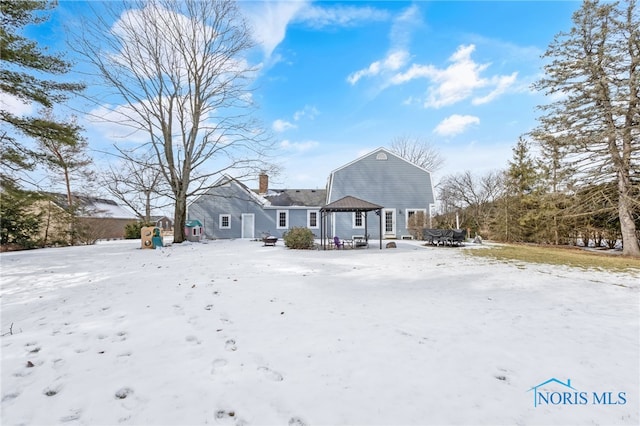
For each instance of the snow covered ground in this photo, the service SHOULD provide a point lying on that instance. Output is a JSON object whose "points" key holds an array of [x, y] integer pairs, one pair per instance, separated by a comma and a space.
{"points": [[234, 333]]}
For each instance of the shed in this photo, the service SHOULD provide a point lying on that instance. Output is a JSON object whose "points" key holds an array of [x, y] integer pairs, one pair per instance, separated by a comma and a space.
{"points": [[348, 204], [193, 230]]}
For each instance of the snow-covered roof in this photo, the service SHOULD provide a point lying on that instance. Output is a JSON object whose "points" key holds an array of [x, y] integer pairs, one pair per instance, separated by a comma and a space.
{"points": [[94, 207]]}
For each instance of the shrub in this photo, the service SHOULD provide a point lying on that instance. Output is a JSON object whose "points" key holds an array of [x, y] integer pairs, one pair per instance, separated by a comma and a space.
{"points": [[298, 238], [132, 230], [417, 225]]}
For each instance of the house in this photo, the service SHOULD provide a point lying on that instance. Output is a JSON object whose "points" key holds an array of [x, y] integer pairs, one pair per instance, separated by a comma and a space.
{"points": [[231, 210], [386, 179], [97, 218], [164, 223]]}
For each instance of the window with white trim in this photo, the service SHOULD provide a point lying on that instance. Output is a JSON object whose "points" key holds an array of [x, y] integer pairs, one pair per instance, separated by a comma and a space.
{"points": [[282, 219], [312, 219], [358, 220], [412, 212], [225, 221]]}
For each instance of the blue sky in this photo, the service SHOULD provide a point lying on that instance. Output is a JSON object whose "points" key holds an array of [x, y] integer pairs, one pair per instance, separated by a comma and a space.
{"points": [[338, 79]]}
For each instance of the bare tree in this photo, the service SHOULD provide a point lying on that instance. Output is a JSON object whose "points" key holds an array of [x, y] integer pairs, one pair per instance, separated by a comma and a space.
{"points": [[418, 151], [594, 71], [178, 73], [137, 181], [474, 194]]}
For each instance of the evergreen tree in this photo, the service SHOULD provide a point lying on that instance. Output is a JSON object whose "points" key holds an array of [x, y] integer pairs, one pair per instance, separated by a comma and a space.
{"points": [[22, 59], [23, 63], [595, 67], [521, 200]]}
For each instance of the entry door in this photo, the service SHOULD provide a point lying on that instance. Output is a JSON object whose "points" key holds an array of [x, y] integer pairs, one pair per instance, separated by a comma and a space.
{"points": [[248, 225], [389, 222]]}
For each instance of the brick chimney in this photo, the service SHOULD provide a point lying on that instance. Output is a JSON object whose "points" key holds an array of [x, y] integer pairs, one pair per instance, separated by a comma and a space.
{"points": [[263, 183]]}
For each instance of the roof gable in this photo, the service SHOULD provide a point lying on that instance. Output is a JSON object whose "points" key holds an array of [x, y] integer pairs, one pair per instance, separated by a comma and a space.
{"points": [[226, 180], [379, 151]]}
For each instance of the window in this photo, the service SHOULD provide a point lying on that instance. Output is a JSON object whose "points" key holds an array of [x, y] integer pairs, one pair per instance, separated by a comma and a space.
{"points": [[388, 222], [358, 219], [312, 219], [412, 212], [381, 156], [225, 221], [282, 219]]}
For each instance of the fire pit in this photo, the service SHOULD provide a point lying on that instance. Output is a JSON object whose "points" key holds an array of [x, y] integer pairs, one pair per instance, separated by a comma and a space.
{"points": [[270, 240]]}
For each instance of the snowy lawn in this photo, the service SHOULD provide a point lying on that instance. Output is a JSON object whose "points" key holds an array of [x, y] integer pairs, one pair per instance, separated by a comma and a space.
{"points": [[234, 333]]}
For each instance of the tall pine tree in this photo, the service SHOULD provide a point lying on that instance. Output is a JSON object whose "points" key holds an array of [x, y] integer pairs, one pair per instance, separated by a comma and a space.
{"points": [[22, 63], [595, 68]]}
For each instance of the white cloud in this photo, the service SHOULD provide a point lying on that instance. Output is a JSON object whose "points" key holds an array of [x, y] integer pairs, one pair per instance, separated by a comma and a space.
{"points": [[282, 125], [298, 146], [398, 54], [117, 124], [458, 81], [14, 105], [269, 21], [455, 124], [340, 15], [393, 62], [309, 111], [403, 25], [502, 84]]}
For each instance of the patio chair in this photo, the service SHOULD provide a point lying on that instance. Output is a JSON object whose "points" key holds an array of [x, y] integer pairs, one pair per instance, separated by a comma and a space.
{"points": [[339, 244]]}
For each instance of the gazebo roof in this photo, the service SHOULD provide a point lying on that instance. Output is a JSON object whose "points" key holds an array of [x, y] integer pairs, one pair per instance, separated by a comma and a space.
{"points": [[350, 204]]}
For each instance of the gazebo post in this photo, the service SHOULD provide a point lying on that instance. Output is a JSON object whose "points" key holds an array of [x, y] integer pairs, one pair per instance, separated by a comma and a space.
{"points": [[366, 226], [380, 225], [323, 225]]}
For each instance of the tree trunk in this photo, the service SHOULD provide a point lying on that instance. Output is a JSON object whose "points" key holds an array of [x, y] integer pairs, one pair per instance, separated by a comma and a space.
{"points": [[47, 225], [72, 212], [179, 219], [147, 207], [630, 245]]}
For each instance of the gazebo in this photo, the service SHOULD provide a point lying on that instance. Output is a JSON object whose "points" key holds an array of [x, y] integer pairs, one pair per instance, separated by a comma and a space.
{"points": [[348, 204]]}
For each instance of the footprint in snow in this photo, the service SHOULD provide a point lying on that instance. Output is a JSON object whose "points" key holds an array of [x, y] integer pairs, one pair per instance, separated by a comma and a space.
{"points": [[230, 345], [229, 417], [218, 364], [122, 393], [75, 415], [192, 339], [52, 390], [10, 395], [270, 374], [296, 421]]}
